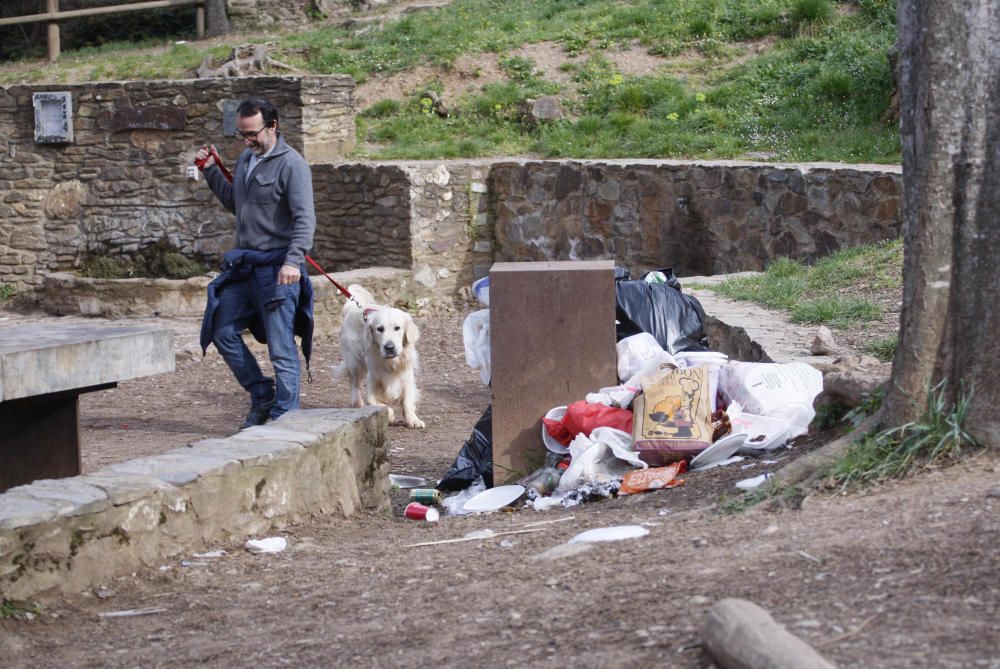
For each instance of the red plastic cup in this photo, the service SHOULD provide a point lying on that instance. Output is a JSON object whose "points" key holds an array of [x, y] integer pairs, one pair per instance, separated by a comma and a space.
{"points": [[417, 511]]}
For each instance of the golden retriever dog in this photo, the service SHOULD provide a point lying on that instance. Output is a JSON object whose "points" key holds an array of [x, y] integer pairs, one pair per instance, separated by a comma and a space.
{"points": [[378, 344]]}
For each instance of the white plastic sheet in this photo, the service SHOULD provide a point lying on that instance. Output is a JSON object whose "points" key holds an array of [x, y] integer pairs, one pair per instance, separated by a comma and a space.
{"points": [[784, 391], [476, 337], [605, 455]]}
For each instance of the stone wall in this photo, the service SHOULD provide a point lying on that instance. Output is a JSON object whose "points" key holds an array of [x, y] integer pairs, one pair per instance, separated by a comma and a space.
{"points": [[362, 217], [121, 184], [256, 14], [699, 218], [449, 224]]}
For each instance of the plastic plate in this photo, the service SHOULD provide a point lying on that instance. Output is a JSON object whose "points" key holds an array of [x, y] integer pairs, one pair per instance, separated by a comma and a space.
{"points": [[720, 450], [550, 442], [494, 498], [616, 533]]}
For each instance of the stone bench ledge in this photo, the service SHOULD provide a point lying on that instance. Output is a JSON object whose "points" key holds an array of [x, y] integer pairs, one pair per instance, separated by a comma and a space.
{"points": [[79, 532]]}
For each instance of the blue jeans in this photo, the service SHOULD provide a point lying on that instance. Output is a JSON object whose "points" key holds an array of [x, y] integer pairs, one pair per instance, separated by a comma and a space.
{"points": [[239, 303]]}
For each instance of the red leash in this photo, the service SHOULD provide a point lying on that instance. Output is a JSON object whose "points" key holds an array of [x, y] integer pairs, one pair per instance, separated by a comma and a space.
{"points": [[212, 153]]}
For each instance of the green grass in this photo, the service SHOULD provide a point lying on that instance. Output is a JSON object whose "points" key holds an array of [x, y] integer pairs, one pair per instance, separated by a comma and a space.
{"points": [[7, 292], [160, 260], [938, 437], [820, 93], [782, 494], [10, 608], [825, 293], [883, 349]]}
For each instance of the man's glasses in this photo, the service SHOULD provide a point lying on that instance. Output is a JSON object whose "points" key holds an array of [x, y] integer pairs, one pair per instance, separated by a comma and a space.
{"points": [[251, 135]]}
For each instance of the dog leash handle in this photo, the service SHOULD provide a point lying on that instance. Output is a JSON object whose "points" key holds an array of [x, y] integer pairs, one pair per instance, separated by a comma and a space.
{"points": [[212, 153]]}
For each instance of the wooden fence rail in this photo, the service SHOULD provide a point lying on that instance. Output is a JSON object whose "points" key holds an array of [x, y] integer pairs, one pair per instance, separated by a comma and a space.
{"points": [[52, 15]]}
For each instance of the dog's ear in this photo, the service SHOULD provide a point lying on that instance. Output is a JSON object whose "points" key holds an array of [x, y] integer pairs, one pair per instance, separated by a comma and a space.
{"points": [[369, 333], [411, 333]]}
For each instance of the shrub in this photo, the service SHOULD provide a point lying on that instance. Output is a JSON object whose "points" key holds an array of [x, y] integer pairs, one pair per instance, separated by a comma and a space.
{"points": [[811, 11], [939, 436]]}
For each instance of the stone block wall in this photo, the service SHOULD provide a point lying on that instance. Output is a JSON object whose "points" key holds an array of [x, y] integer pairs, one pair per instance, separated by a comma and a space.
{"points": [[121, 184], [256, 14], [449, 223], [699, 218], [362, 217]]}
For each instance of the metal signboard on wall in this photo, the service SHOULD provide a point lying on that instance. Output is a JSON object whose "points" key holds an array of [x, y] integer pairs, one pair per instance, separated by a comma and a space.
{"points": [[229, 117], [53, 117]]}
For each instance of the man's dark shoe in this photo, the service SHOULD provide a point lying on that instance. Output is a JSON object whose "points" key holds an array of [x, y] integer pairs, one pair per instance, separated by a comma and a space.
{"points": [[258, 414]]}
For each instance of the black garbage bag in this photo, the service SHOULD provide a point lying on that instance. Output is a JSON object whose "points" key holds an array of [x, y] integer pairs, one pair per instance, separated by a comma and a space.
{"points": [[662, 310], [475, 459]]}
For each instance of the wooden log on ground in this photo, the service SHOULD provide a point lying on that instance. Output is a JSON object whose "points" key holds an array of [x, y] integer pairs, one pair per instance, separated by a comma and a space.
{"points": [[740, 635]]}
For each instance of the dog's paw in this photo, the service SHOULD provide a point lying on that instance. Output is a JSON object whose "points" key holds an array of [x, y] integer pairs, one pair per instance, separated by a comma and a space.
{"points": [[359, 403], [415, 423]]}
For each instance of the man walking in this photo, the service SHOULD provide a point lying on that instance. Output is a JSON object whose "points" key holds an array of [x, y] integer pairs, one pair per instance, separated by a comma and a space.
{"points": [[263, 285]]}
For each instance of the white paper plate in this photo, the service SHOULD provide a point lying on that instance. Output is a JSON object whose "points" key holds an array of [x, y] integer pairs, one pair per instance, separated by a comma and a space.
{"points": [[616, 533], [720, 450], [550, 442], [494, 498]]}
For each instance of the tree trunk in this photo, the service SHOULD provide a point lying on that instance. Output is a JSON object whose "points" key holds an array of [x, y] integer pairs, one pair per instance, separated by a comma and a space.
{"points": [[949, 84], [950, 122], [216, 20]]}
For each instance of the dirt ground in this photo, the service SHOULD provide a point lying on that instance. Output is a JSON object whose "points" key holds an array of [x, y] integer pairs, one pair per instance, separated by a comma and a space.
{"points": [[905, 576]]}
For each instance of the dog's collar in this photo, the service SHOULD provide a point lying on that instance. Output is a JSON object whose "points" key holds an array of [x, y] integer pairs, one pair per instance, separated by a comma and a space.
{"points": [[366, 311]]}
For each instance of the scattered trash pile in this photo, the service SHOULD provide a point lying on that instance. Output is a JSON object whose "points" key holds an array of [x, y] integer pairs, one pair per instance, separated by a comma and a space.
{"points": [[678, 408]]}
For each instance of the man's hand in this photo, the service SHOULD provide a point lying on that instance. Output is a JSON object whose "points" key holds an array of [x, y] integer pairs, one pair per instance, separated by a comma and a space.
{"points": [[203, 158], [288, 275]]}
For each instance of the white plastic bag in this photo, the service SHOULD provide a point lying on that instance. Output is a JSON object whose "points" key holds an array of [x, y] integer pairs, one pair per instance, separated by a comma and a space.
{"points": [[616, 396], [606, 454], [784, 391], [476, 336], [635, 351], [454, 505], [714, 361]]}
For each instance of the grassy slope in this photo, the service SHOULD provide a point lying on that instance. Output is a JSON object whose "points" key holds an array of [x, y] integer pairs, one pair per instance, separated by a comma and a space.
{"points": [[820, 93]]}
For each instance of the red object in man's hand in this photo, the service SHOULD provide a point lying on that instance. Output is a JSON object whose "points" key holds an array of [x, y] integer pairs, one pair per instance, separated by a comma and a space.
{"points": [[212, 153]]}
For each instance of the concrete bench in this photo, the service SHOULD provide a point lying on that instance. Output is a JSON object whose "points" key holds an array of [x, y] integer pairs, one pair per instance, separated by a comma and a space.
{"points": [[44, 368]]}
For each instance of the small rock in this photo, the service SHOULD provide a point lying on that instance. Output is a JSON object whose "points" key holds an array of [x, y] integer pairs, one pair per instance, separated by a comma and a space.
{"points": [[823, 343], [771, 529], [994, 493], [808, 624]]}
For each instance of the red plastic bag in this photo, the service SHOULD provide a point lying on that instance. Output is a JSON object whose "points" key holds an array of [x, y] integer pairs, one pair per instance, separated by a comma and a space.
{"points": [[583, 417]]}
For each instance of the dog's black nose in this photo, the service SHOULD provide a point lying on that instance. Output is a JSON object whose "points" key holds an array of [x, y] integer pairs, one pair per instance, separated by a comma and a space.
{"points": [[389, 347]]}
